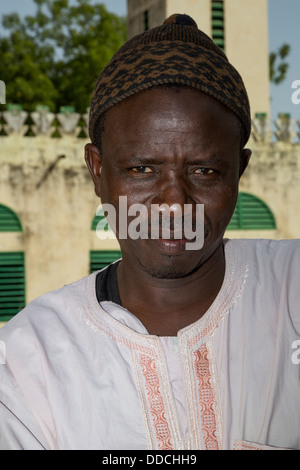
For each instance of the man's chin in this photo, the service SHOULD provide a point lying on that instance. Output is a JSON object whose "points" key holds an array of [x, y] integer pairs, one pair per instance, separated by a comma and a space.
{"points": [[167, 262], [166, 273], [169, 267]]}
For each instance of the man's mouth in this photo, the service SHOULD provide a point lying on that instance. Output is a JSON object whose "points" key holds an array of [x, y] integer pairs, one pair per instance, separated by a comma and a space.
{"points": [[171, 245]]}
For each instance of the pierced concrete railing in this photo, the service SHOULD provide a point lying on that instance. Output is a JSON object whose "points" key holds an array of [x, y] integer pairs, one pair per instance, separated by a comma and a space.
{"points": [[42, 122], [67, 122]]}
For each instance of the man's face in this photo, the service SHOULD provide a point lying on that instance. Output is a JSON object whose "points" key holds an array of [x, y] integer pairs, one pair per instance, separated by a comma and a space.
{"points": [[166, 146]]}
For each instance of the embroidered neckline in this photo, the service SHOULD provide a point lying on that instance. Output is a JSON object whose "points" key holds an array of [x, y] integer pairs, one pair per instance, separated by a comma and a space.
{"points": [[231, 290], [233, 283]]}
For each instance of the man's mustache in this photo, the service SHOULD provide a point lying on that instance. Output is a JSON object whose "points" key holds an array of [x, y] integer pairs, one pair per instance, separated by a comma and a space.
{"points": [[157, 221]]}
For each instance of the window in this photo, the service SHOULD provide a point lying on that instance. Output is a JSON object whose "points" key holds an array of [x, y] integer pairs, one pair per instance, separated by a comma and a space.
{"points": [[12, 269], [251, 213], [101, 259], [12, 284], [100, 219], [9, 221], [218, 27]]}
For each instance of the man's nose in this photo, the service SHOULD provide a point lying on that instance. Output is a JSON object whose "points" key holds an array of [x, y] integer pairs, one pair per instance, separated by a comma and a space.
{"points": [[171, 203], [173, 193]]}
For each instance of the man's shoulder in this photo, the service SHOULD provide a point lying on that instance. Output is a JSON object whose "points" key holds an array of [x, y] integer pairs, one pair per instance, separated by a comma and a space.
{"points": [[270, 262], [42, 330], [49, 309], [39, 345], [274, 271], [274, 251]]}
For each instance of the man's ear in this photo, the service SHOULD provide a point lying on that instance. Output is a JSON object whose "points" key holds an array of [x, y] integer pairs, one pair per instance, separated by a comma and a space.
{"points": [[94, 163], [244, 160]]}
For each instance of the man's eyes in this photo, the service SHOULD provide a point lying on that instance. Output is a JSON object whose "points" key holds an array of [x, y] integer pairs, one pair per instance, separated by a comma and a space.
{"points": [[141, 169], [204, 171]]}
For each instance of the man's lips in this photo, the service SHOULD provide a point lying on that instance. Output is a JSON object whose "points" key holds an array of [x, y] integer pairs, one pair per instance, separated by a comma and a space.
{"points": [[171, 246], [169, 233]]}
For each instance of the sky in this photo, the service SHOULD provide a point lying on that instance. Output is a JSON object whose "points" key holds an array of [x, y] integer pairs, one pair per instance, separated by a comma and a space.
{"points": [[284, 27]]}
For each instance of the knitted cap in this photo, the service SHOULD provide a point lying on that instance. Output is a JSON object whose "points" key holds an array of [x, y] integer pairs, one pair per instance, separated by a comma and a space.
{"points": [[175, 53]]}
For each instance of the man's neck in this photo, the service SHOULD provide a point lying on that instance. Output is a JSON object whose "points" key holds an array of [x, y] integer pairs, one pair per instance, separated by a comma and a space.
{"points": [[165, 306]]}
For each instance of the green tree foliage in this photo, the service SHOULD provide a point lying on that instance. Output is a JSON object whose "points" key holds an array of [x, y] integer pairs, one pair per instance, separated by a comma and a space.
{"points": [[55, 57], [278, 65]]}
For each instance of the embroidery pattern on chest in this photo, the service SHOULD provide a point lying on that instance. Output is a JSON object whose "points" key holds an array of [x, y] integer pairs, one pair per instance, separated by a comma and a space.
{"points": [[156, 404], [206, 399], [155, 393]]}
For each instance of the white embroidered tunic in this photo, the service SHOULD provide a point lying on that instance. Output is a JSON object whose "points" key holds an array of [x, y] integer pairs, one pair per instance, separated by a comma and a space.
{"points": [[79, 375]]}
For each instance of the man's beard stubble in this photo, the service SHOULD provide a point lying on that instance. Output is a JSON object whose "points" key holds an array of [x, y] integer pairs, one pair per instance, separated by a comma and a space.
{"points": [[171, 270]]}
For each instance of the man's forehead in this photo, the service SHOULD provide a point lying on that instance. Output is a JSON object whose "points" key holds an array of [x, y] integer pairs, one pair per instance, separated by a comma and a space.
{"points": [[173, 104], [162, 119]]}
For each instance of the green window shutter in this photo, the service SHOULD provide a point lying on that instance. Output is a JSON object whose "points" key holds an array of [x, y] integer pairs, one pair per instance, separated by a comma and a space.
{"points": [[99, 218], [218, 23], [12, 284], [101, 259], [251, 213], [9, 221]]}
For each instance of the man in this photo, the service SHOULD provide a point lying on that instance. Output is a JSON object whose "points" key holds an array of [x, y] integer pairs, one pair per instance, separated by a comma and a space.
{"points": [[168, 348]]}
